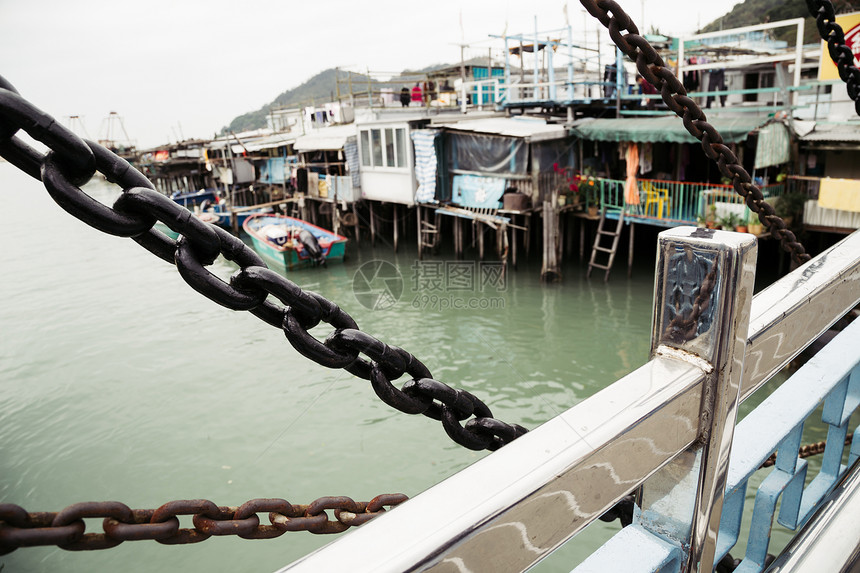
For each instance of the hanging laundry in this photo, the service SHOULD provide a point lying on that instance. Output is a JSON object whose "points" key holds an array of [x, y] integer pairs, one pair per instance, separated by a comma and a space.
{"points": [[691, 79], [683, 161], [610, 74], [716, 82], [631, 187], [645, 162]]}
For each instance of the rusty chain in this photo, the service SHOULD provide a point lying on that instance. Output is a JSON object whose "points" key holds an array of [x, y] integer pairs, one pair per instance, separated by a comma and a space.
{"points": [[654, 70], [67, 529], [684, 326], [808, 450], [71, 162], [841, 54]]}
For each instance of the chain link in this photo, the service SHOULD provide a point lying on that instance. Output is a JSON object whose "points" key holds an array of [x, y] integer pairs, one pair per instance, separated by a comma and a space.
{"points": [[808, 450], [651, 66], [72, 161], [834, 37], [66, 529]]}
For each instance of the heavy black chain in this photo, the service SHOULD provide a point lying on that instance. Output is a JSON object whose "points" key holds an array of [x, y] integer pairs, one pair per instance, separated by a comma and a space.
{"points": [[72, 161], [67, 529], [651, 66], [843, 57]]}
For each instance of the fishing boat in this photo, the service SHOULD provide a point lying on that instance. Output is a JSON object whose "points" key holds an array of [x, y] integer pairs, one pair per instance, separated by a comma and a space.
{"points": [[189, 199], [222, 214], [292, 242]]}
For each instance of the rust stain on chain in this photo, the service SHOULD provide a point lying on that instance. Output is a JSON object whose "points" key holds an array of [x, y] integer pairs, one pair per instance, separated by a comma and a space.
{"points": [[66, 529]]}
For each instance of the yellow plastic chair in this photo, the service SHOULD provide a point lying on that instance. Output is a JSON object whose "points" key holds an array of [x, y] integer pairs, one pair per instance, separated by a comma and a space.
{"points": [[656, 198]]}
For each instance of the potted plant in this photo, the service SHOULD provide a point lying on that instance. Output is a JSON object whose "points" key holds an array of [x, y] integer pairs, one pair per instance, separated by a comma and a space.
{"points": [[711, 217], [789, 206], [729, 221], [754, 226], [592, 195]]}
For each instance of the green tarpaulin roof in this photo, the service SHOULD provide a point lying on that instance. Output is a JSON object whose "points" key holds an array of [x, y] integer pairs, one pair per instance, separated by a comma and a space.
{"points": [[668, 129]]}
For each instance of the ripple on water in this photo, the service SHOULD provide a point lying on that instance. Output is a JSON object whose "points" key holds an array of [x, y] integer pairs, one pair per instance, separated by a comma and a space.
{"points": [[120, 382]]}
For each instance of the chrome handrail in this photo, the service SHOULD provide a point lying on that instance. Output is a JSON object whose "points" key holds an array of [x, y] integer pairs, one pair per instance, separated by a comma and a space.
{"points": [[790, 314], [666, 427]]}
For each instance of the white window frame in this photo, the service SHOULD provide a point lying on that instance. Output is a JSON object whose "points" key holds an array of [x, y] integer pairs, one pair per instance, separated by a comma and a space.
{"points": [[367, 153]]}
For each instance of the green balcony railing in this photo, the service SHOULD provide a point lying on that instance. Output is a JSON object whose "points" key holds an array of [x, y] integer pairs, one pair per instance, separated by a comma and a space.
{"points": [[671, 203]]}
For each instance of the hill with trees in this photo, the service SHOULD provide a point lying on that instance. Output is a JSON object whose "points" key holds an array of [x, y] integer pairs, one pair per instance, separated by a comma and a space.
{"points": [[760, 11], [320, 88], [323, 86]]}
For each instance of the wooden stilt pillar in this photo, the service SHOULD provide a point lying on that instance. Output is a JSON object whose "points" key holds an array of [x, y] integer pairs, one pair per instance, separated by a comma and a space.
{"points": [[396, 228], [550, 271], [569, 233], [458, 238], [514, 243], [420, 242], [561, 232], [527, 236], [582, 239], [357, 225], [630, 254], [479, 228], [372, 225]]}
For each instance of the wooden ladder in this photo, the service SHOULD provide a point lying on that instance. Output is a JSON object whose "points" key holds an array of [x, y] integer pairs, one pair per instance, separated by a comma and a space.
{"points": [[428, 235], [597, 248]]}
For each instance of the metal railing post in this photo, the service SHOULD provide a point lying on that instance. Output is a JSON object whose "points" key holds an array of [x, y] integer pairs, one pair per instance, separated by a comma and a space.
{"points": [[703, 294]]}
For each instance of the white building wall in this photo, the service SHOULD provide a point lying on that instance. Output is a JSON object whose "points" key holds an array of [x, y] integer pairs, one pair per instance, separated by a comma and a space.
{"points": [[389, 187]]}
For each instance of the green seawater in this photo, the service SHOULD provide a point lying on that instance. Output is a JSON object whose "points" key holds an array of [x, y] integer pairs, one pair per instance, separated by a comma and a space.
{"points": [[119, 382]]}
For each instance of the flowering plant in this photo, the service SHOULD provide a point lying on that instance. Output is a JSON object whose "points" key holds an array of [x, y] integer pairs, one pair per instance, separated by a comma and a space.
{"points": [[575, 183]]}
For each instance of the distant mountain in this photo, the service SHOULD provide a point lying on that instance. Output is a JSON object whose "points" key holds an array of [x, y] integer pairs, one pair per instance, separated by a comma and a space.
{"points": [[752, 12], [320, 88]]}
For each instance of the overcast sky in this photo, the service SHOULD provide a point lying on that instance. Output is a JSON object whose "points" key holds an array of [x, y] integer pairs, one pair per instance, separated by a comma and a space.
{"points": [[174, 68]]}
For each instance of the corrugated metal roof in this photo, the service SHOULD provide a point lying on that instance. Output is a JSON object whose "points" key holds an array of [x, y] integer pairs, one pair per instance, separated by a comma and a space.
{"points": [[531, 129], [666, 129], [327, 138], [268, 142], [845, 132]]}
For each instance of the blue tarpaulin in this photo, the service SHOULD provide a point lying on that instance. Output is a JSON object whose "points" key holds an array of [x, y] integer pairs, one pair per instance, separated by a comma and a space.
{"points": [[478, 192]]}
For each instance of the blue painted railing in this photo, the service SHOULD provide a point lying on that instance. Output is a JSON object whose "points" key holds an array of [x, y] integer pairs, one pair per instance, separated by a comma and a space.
{"points": [[666, 432], [776, 425], [833, 377]]}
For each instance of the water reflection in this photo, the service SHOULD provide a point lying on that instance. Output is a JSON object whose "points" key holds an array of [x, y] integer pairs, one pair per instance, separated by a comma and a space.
{"points": [[120, 382]]}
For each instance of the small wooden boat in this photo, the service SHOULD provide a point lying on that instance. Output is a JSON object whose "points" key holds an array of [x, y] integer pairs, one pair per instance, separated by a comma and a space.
{"points": [[222, 215], [292, 242], [191, 198]]}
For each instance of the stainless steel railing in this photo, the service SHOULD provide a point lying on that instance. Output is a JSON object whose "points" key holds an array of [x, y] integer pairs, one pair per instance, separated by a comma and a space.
{"points": [[664, 430]]}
